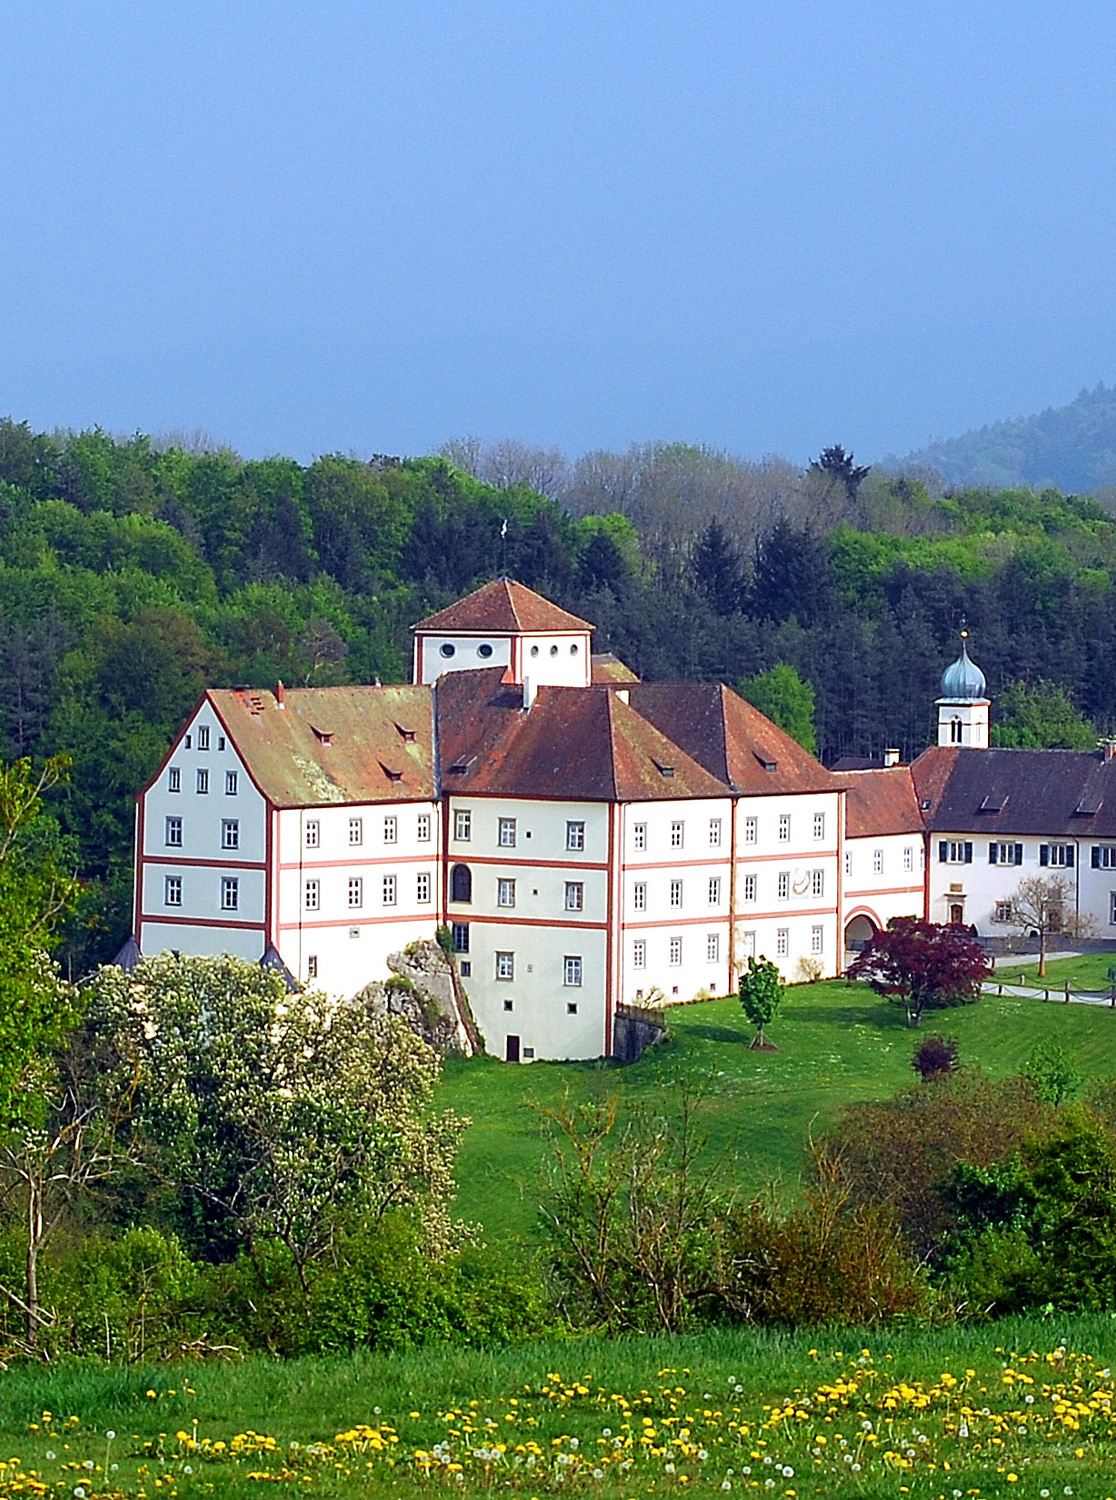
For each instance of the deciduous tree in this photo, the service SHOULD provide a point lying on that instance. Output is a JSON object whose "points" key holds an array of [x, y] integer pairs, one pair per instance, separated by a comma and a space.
{"points": [[923, 966], [1040, 908], [761, 994]]}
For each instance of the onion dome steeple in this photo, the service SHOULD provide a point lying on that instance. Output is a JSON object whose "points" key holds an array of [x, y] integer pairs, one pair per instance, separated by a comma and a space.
{"points": [[963, 706], [963, 681]]}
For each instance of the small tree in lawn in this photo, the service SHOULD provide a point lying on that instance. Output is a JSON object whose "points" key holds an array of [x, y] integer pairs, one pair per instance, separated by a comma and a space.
{"points": [[761, 994], [1041, 906], [923, 966]]}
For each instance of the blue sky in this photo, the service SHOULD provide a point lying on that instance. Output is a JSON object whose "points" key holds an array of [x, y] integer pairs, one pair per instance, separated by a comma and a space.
{"points": [[307, 227]]}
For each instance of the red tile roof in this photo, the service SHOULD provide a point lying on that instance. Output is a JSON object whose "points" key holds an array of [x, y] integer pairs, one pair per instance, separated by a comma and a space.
{"points": [[880, 802], [500, 607], [609, 668]]}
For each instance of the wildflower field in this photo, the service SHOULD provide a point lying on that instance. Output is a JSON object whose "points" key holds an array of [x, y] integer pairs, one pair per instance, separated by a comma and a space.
{"points": [[1023, 1408]]}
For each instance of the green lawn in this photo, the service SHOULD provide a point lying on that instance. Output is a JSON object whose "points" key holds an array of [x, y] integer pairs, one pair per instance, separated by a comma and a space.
{"points": [[836, 1044], [1089, 971], [929, 1413]]}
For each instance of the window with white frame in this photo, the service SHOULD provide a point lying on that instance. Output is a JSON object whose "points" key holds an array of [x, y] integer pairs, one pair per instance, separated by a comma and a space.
{"points": [[676, 893], [571, 969], [230, 833], [713, 947], [783, 885], [505, 966], [423, 829], [639, 954], [1004, 911], [230, 893], [356, 831], [819, 825], [463, 825], [203, 736], [356, 890], [505, 893], [174, 779], [507, 833], [230, 783], [575, 895], [817, 939], [390, 889], [1104, 856], [220, 742], [422, 887], [848, 863], [391, 829], [677, 834], [173, 833], [782, 942], [908, 858], [313, 833], [639, 896], [312, 966], [1112, 907], [461, 937], [714, 890], [1005, 854], [955, 852], [1060, 856], [312, 895], [714, 833], [817, 883], [784, 828], [675, 951], [202, 783], [639, 835], [172, 890], [751, 830], [877, 861], [575, 834], [749, 888]]}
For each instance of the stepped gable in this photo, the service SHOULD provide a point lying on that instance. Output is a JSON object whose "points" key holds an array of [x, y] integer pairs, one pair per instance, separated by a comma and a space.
{"points": [[336, 744], [1057, 793], [880, 801], [502, 607], [731, 739], [575, 744], [609, 668]]}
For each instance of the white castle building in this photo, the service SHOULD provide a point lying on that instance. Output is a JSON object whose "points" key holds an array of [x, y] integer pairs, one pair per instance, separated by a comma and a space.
{"points": [[591, 841]]}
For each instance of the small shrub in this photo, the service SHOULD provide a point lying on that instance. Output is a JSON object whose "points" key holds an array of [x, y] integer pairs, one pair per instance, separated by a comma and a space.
{"points": [[934, 1056], [1053, 1073], [810, 970]]}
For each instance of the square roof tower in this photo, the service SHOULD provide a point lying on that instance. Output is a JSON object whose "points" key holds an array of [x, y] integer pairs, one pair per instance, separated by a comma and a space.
{"points": [[505, 624]]}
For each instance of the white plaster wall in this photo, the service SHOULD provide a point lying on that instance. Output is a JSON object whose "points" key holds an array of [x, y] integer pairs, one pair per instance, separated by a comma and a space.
{"points": [[896, 890], [467, 655], [548, 660], [983, 884]]}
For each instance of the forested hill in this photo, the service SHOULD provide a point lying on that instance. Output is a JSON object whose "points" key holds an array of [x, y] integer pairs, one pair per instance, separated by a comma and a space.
{"points": [[134, 574], [1072, 448]]}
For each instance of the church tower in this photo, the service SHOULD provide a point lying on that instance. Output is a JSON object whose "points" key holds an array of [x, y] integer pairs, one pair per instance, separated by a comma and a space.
{"points": [[963, 706]]}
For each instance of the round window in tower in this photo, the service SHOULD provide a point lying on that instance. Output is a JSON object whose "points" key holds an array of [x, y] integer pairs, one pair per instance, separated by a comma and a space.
{"points": [[573, 649], [554, 650], [448, 649], [485, 650], [534, 651]]}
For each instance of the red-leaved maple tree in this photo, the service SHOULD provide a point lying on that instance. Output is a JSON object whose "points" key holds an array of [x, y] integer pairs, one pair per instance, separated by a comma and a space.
{"points": [[923, 966]]}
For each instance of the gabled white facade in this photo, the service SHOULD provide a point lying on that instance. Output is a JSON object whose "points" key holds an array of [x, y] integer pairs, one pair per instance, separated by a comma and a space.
{"points": [[885, 877]]}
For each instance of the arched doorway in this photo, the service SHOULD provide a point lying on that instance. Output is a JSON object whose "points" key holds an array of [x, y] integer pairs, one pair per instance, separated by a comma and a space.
{"points": [[859, 932], [956, 914]]}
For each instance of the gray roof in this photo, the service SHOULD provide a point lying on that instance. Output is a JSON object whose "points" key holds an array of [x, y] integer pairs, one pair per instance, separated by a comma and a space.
{"points": [[1042, 793]]}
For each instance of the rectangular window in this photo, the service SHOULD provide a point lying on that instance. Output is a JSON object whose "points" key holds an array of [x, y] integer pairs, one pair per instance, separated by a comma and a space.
{"points": [[230, 783], [877, 861], [173, 837], [1005, 854], [422, 887], [848, 862], [1112, 907], [356, 891], [784, 828], [505, 893], [817, 882], [423, 833], [713, 947], [783, 889], [571, 1007], [463, 825], [172, 890], [575, 895], [189, 741], [749, 888], [817, 938], [507, 833], [1060, 856], [174, 779], [461, 937], [819, 825], [751, 830], [782, 942], [312, 966], [220, 742], [203, 736], [313, 895], [571, 965], [391, 829], [356, 831], [714, 833], [639, 896], [313, 833], [639, 836], [639, 954], [714, 890], [1003, 911], [955, 852], [908, 858], [202, 783], [676, 893], [230, 893], [1104, 856], [575, 835], [230, 833], [675, 951], [677, 835], [390, 889], [505, 966]]}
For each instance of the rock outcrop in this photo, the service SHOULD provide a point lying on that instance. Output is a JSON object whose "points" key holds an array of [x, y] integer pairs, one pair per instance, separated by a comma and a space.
{"points": [[426, 991]]}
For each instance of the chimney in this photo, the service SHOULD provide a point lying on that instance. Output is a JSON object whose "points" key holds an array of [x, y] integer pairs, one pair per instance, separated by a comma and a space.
{"points": [[891, 756], [1109, 750], [530, 688], [280, 695], [624, 694]]}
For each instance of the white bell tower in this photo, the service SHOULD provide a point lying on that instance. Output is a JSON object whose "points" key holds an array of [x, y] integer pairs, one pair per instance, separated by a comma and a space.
{"points": [[963, 706]]}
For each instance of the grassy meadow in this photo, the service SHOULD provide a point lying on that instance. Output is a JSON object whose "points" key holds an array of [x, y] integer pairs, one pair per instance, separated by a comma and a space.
{"points": [[837, 1043]]}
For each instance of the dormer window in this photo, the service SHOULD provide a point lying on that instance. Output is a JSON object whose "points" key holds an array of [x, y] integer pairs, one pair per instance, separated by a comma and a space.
{"points": [[406, 735], [325, 736], [768, 765], [392, 776], [663, 770]]}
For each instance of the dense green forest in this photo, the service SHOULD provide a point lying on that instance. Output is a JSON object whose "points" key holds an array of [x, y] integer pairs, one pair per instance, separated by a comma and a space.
{"points": [[134, 573]]}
